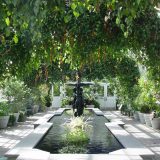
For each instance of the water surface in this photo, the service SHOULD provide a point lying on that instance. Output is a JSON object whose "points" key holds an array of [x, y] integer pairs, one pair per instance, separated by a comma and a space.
{"points": [[101, 139]]}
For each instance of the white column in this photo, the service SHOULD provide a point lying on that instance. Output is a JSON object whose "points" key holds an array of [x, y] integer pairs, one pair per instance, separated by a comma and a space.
{"points": [[61, 91], [105, 90], [52, 90]]}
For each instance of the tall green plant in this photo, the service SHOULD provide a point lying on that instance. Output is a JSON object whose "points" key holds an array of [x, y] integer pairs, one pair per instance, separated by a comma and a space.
{"points": [[4, 109], [146, 99], [15, 92]]}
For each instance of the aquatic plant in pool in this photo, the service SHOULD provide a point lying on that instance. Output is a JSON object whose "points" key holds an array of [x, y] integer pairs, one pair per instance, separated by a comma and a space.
{"points": [[76, 130], [76, 137], [79, 135]]}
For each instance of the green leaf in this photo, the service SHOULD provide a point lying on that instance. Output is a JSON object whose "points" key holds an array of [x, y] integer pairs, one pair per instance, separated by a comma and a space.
{"points": [[117, 21], [76, 14], [73, 6], [133, 12], [36, 10], [67, 18], [7, 21], [15, 39], [7, 31], [14, 2], [126, 34], [25, 25], [138, 1], [122, 27], [8, 13]]}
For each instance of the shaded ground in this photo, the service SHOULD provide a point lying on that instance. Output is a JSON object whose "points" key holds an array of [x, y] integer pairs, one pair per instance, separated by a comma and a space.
{"points": [[10, 136]]}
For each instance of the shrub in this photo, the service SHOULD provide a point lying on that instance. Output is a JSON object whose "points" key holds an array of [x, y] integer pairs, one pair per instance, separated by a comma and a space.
{"points": [[12, 120], [22, 116], [66, 101], [15, 91], [48, 101], [4, 109]]}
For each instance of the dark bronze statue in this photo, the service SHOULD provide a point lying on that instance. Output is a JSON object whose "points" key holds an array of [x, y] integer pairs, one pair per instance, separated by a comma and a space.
{"points": [[78, 102]]}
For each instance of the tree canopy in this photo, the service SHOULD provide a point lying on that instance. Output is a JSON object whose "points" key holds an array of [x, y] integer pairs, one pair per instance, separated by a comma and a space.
{"points": [[37, 36]]}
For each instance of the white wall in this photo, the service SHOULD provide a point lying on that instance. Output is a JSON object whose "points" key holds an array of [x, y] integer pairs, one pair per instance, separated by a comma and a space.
{"points": [[107, 103], [56, 103]]}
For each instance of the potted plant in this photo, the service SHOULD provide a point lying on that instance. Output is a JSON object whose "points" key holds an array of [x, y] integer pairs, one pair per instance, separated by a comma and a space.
{"points": [[15, 92], [22, 116], [156, 119], [4, 114], [147, 115], [135, 112], [12, 119], [146, 99], [143, 109], [123, 109], [15, 108]]}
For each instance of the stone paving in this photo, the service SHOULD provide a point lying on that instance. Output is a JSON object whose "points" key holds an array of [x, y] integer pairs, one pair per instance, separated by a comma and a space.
{"points": [[147, 136], [10, 136]]}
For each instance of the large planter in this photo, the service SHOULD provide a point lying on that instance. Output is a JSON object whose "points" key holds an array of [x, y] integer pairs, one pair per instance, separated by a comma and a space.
{"points": [[3, 121], [148, 118], [35, 108], [17, 117], [141, 117], [136, 116], [156, 123]]}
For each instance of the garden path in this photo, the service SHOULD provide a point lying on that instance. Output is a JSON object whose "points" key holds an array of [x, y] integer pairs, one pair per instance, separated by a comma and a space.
{"points": [[10, 136], [146, 135]]}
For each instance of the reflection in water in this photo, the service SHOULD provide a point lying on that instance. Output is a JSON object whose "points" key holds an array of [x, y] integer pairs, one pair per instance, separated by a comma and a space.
{"points": [[101, 139]]}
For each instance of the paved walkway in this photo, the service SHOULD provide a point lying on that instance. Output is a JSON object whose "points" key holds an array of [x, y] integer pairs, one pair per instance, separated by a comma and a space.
{"points": [[150, 138], [146, 135], [12, 135]]}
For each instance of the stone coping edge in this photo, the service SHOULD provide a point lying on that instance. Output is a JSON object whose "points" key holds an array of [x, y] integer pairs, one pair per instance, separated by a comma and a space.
{"points": [[30, 141], [131, 145], [48, 116]]}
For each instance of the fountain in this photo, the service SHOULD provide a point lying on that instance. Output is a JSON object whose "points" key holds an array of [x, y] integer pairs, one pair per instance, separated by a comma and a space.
{"points": [[49, 138], [78, 101], [106, 140]]}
